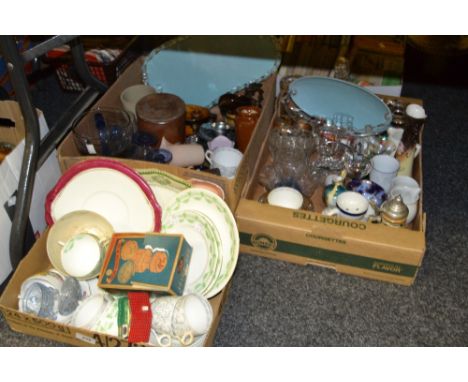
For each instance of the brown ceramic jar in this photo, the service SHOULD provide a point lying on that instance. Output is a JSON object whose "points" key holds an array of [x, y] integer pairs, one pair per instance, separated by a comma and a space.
{"points": [[162, 115]]}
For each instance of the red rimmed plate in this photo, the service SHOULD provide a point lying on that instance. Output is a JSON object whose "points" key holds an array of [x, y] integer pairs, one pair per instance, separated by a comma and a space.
{"points": [[110, 189]]}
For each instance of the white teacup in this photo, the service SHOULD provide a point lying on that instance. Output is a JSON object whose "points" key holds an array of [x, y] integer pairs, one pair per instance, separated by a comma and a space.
{"points": [[286, 197], [384, 169], [99, 313], [192, 317], [82, 256], [220, 141], [162, 309], [351, 205], [131, 95], [226, 159]]}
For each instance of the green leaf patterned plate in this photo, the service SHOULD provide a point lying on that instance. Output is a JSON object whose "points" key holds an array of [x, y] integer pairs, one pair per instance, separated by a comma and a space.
{"points": [[218, 212], [203, 237], [163, 184]]}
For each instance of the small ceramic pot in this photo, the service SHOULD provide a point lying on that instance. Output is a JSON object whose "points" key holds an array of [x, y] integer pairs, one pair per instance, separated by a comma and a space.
{"points": [[162, 115], [349, 204]]}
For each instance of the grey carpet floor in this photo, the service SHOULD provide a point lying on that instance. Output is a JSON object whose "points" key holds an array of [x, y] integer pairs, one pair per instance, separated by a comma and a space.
{"points": [[274, 303]]}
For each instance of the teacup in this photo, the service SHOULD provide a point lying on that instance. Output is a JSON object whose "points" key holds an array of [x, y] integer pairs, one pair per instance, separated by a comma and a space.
{"points": [[286, 197], [192, 317], [162, 309], [131, 95], [39, 295], [384, 169], [226, 159], [163, 340], [220, 141], [82, 256], [97, 312], [349, 204]]}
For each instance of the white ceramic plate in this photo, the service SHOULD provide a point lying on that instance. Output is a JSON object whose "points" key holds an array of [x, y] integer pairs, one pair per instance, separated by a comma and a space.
{"points": [[109, 193], [203, 237], [219, 213]]}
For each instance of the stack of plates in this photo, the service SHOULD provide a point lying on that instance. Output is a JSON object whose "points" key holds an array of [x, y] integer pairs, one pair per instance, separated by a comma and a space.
{"points": [[209, 227], [164, 185]]}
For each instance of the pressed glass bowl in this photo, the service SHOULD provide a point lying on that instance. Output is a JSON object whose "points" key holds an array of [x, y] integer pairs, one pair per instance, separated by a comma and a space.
{"points": [[103, 131]]}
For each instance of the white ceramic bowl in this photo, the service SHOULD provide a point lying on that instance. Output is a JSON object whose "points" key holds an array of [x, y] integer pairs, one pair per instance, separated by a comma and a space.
{"points": [[286, 197], [352, 203]]}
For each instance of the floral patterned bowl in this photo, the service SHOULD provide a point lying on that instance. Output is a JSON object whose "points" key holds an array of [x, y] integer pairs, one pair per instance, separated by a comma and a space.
{"points": [[370, 190]]}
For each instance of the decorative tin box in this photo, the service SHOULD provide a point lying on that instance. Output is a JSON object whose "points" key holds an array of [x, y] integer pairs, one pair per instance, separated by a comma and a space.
{"points": [[153, 262]]}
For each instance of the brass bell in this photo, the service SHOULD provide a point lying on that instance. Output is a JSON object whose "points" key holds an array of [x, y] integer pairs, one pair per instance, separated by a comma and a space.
{"points": [[394, 212]]}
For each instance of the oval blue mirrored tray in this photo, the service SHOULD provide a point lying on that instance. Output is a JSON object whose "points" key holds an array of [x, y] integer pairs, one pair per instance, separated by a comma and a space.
{"points": [[338, 101], [199, 69]]}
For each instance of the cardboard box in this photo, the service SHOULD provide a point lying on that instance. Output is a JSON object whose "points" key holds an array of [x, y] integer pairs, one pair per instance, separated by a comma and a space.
{"points": [[353, 247], [164, 271], [12, 130], [37, 261], [68, 153]]}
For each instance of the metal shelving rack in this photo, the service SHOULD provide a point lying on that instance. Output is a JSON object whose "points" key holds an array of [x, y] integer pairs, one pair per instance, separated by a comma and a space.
{"points": [[36, 151]]}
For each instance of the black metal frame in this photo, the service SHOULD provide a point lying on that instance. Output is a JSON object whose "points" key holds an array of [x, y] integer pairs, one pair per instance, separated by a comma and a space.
{"points": [[35, 150]]}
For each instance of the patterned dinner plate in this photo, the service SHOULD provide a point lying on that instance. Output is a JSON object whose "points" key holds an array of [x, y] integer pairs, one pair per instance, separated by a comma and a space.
{"points": [[211, 205], [203, 237], [164, 185]]}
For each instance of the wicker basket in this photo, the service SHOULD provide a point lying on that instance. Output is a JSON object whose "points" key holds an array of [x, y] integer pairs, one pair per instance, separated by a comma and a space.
{"points": [[105, 72]]}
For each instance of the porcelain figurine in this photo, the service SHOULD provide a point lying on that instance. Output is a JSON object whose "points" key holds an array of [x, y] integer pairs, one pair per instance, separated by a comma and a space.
{"points": [[331, 192]]}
